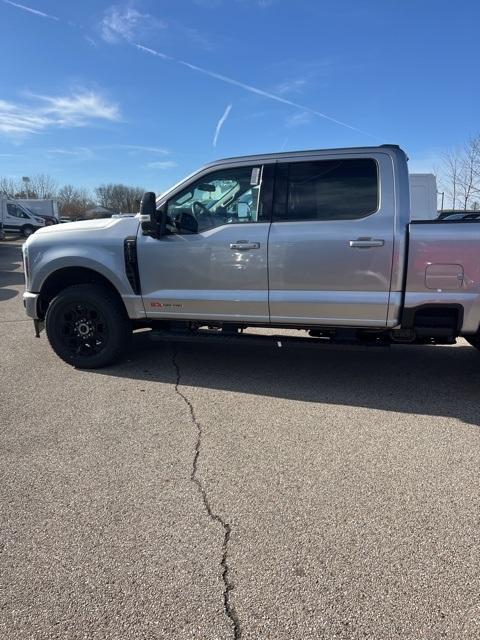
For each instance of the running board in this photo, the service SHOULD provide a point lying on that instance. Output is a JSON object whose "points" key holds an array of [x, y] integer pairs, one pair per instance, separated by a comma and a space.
{"points": [[278, 341]]}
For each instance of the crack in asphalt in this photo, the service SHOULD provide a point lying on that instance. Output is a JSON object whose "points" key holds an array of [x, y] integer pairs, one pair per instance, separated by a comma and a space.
{"points": [[228, 606]]}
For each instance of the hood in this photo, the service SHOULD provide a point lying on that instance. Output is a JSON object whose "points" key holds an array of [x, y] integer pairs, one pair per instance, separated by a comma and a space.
{"points": [[85, 225], [102, 230]]}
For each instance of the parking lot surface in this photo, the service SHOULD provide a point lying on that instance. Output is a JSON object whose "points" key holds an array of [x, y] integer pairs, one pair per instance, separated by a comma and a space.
{"points": [[217, 492]]}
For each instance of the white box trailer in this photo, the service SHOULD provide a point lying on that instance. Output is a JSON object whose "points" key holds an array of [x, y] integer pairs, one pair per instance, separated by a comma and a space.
{"points": [[423, 196], [44, 207]]}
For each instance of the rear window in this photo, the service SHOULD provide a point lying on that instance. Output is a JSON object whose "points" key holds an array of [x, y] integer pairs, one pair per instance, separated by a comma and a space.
{"points": [[329, 190]]}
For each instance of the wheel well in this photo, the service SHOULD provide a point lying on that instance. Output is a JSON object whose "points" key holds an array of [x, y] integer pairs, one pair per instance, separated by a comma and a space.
{"points": [[63, 278]]}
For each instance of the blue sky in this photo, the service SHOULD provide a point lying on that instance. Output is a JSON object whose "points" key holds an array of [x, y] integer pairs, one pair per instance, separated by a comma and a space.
{"points": [[143, 92]]}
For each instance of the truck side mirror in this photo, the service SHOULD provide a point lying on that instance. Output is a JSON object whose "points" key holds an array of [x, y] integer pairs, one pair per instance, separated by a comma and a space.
{"points": [[148, 214]]}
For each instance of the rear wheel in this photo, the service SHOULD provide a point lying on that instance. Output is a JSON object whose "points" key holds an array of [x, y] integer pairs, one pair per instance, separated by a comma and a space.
{"points": [[27, 230], [87, 326]]}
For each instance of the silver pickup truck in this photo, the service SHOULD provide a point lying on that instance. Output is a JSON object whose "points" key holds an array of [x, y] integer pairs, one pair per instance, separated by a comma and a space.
{"points": [[317, 241]]}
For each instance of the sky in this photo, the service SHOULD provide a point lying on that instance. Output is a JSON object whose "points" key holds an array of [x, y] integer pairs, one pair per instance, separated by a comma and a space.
{"points": [[144, 92]]}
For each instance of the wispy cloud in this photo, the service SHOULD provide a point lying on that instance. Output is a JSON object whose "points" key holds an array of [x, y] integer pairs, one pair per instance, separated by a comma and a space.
{"points": [[126, 23], [220, 124], [84, 153], [298, 119], [75, 152], [162, 164], [76, 110], [213, 4], [250, 88], [135, 149], [35, 12], [295, 85]]}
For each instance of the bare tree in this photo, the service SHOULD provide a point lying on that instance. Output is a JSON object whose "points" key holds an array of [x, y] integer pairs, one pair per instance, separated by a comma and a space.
{"points": [[469, 179], [8, 187], [460, 174], [74, 201], [119, 198], [42, 186], [450, 175]]}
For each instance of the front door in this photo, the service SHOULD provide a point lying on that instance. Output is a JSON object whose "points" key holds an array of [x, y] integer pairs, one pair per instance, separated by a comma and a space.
{"points": [[331, 242], [212, 265]]}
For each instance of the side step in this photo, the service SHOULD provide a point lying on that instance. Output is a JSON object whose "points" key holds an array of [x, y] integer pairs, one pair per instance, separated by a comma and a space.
{"points": [[278, 341]]}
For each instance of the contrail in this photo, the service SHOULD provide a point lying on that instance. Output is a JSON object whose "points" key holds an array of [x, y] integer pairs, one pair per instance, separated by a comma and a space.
{"points": [[220, 124], [250, 88], [30, 10]]}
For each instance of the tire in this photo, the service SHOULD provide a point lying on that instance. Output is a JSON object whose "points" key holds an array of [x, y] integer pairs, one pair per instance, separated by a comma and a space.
{"points": [[474, 341], [27, 231], [87, 326]]}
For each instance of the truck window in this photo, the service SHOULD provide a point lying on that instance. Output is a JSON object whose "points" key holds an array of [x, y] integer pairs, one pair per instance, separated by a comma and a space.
{"points": [[226, 196], [327, 190]]}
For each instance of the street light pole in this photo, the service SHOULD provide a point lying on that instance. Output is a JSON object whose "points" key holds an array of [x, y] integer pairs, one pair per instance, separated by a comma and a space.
{"points": [[26, 180]]}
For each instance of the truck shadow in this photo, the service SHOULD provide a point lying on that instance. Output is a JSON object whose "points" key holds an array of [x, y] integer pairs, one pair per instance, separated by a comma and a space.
{"points": [[429, 380]]}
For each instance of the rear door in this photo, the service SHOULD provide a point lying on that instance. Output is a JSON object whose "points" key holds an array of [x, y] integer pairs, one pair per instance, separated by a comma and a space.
{"points": [[331, 241]]}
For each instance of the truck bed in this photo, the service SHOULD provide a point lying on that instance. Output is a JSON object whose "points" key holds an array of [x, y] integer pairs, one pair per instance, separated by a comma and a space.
{"points": [[444, 268]]}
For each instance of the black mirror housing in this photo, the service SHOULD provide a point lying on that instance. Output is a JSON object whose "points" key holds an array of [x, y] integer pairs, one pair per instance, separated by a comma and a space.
{"points": [[148, 214]]}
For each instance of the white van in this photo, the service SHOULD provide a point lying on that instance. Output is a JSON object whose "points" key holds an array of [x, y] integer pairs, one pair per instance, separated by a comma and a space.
{"points": [[18, 219]]}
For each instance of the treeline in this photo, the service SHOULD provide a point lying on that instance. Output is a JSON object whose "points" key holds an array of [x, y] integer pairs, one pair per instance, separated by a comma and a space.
{"points": [[75, 202], [459, 176]]}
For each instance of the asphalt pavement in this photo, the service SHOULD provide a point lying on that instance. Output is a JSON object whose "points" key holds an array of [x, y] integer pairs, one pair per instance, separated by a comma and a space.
{"points": [[221, 492]]}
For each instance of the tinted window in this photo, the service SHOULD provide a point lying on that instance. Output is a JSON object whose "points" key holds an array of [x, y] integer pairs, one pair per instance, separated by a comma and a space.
{"points": [[329, 190]]}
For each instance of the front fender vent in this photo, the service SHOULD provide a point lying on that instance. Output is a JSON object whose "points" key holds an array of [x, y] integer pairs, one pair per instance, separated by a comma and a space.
{"points": [[131, 264]]}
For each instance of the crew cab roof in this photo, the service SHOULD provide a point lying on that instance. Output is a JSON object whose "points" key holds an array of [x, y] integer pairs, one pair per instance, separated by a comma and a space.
{"points": [[264, 157]]}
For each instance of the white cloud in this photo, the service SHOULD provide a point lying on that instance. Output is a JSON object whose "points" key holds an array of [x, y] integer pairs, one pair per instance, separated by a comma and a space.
{"points": [[220, 124], [35, 12], [295, 85], [135, 149], [162, 164], [298, 119], [126, 23], [45, 112], [213, 4], [76, 151], [75, 109], [85, 153]]}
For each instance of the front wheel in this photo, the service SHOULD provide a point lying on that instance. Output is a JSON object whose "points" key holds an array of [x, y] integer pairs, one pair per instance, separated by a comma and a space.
{"points": [[87, 326], [27, 230]]}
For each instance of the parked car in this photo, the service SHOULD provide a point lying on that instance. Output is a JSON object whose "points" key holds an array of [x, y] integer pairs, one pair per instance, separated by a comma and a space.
{"points": [[466, 216], [18, 219], [322, 242]]}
